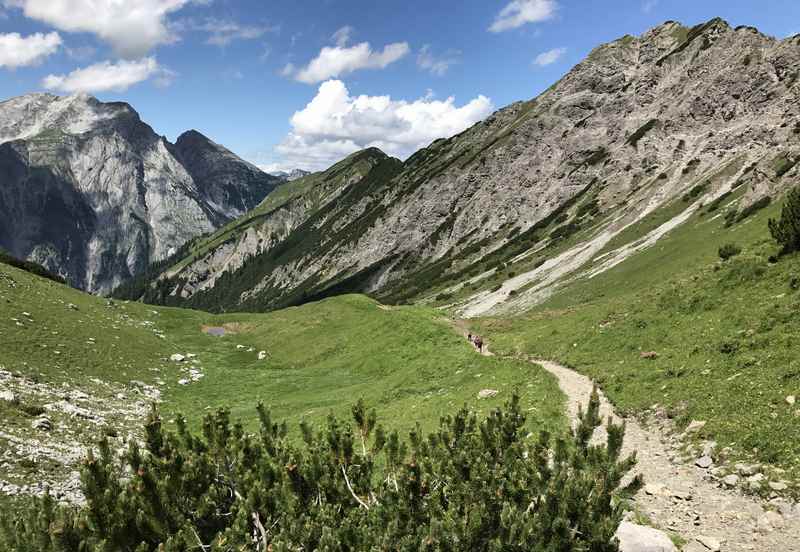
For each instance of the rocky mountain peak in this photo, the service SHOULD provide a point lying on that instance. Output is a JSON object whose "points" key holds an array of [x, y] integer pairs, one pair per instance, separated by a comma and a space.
{"points": [[194, 138], [95, 195], [33, 114]]}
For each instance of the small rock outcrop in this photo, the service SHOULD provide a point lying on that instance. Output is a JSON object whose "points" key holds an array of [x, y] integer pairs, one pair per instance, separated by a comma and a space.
{"points": [[638, 538]]}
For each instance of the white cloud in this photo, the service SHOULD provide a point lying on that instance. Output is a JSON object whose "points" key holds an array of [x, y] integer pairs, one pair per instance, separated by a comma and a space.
{"points": [[436, 65], [519, 12], [221, 32], [132, 28], [649, 5], [335, 124], [105, 76], [20, 51], [342, 36], [335, 61], [549, 57]]}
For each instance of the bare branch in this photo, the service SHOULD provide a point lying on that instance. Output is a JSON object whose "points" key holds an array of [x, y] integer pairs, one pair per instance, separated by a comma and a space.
{"points": [[202, 546], [261, 530], [352, 492]]}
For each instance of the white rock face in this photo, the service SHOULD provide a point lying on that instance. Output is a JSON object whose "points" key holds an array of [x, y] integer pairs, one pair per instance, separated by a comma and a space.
{"points": [[638, 538], [292, 175], [92, 193]]}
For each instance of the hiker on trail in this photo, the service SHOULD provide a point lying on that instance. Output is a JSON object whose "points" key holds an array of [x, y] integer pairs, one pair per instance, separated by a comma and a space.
{"points": [[478, 341], [469, 337]]}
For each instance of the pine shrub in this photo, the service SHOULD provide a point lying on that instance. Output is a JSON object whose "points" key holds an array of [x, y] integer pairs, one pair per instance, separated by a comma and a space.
{"points": [[729, 250], [468, 486], [786, 230]]}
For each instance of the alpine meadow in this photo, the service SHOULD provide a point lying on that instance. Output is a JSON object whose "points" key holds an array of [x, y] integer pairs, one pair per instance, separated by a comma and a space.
{"points": [[388, 314]]}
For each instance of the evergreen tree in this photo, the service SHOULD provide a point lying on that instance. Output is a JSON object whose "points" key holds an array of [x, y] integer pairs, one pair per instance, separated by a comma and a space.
{"points": [[470, 485], [786, 230]]}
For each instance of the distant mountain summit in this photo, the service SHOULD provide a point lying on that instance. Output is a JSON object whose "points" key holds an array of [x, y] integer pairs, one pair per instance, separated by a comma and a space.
{"points": [[93, 194], [290, 175]]}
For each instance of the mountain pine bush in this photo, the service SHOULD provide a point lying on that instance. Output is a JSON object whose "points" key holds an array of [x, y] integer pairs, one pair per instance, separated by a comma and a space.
{"points": [[729, 250], [786, 230], [470, 485]]}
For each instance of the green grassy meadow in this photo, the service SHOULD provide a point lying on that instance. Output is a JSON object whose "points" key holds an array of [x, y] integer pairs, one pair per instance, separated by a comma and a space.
{"points": [[407, 362]]}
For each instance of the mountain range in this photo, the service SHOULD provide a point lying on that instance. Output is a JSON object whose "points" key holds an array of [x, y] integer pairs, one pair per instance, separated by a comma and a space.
{"points": [[95, 195], [630, 225], [540, 193], [288, 176]]}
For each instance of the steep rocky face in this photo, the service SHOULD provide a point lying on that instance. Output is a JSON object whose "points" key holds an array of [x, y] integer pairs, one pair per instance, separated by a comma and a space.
{"points": [[92, 193], [220, 176], [291, 212], [643, 121]]}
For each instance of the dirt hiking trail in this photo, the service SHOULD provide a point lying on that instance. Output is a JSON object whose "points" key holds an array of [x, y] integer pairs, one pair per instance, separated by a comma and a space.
{"points": [[683, 498]]}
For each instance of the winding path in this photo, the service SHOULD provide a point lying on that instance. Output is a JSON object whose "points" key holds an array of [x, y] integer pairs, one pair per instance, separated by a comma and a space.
{"points": [[683, 498]]}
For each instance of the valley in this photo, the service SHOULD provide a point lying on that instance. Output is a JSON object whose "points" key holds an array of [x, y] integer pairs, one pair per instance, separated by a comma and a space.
{"points": [[198, 350], [94, 359]]}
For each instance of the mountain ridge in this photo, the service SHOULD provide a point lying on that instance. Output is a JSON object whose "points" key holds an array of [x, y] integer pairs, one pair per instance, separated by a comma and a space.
{"points": [[637, 125], [94, 194]]}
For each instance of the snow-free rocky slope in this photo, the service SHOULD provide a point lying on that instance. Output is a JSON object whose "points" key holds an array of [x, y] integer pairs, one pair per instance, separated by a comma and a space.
{"points": [[94, 194], [288, 176], [677, 116]]}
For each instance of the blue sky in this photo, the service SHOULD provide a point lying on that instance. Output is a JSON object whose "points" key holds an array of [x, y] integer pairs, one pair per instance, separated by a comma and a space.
{"points": [[303, 83]]}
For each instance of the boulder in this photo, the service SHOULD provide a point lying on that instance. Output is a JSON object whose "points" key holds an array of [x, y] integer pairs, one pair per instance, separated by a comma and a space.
{"points": [[487, 393], [638, 538], [778, 486], [262, 355], [8, 396], [43, 423], [177, 357], [704, 462], [695, 426], [747, 469], [769, 522], [730, 480]]}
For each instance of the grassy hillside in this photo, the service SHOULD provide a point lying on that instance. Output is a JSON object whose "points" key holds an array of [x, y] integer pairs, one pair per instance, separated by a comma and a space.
{"points": [[319, 357], [97, 361], [313, 188], [726, 333]]}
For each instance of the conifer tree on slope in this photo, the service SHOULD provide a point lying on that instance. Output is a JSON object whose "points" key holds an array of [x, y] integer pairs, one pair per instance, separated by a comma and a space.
{"points": [[470, 485]]}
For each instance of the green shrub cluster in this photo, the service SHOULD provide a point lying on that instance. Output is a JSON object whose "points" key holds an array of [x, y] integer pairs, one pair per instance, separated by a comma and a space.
{"points": [[471, 485], [733, 216], [729, 250], [695, 192]]}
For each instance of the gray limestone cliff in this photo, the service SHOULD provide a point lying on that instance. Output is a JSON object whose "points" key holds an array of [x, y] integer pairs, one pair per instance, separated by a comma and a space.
{"points": [[94, 194]]}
